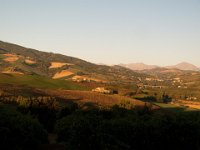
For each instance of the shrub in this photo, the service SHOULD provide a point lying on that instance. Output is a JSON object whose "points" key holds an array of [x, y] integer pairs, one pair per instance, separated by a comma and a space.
{"points": [[93, 130], [18, 131], [79, 131]]}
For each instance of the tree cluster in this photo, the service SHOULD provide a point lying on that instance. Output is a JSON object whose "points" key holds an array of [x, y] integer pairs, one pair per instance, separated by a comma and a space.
{"points": [[20, 132], [120, 128]]}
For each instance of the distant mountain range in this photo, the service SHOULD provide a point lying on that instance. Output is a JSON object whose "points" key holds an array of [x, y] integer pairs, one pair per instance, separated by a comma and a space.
{"points": [[139, 66], [142, 66]]}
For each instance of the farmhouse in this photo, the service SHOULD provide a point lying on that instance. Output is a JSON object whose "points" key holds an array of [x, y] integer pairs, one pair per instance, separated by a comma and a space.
{"points": [[105, 90]]}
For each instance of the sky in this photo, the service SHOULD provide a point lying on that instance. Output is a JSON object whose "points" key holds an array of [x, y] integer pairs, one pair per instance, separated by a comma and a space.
{"points": [[159, 32]]}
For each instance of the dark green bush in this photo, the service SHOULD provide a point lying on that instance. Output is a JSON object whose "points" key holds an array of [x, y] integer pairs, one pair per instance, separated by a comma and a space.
{"points": [[79, 129], [20, 132], [95, 130]]}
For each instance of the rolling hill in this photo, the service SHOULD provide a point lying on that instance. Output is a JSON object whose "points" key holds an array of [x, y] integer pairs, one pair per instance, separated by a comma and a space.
{"points": [[18, 60]]}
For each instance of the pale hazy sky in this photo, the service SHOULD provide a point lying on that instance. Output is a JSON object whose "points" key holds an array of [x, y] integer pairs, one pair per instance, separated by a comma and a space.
{"points": [[161, 32]]}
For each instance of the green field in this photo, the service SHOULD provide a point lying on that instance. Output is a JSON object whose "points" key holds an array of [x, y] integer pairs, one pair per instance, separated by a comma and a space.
{"points": [[39, 82], [2, 56], [174, 108]]}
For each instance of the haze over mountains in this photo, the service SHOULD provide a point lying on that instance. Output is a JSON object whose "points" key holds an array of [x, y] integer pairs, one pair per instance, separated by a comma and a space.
{"points": [[142, 66], [185, 66], [139, 66]]}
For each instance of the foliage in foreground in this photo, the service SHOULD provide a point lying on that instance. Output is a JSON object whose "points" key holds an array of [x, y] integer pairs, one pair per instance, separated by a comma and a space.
{"points": [[120, 127], [129, 129], [20, 132]]}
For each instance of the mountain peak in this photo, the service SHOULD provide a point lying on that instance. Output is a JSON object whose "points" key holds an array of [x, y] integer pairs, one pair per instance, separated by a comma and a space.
{"points": [[184, 63], [185, 66], [142, 66], [139, 66]]}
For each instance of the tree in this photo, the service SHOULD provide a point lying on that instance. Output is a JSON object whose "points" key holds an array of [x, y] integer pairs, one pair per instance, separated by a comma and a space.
{"points": [[166, 98], [20, 132]]}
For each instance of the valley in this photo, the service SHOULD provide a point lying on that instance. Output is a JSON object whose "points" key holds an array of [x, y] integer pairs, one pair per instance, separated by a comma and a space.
{"points": [[63, 92], [35, 69], [100, 75]]}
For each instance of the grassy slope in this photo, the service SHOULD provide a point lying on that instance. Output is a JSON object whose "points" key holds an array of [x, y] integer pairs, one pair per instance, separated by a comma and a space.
{"points": [[1, 56], [174, 108], [38, 82], [43, 59]]}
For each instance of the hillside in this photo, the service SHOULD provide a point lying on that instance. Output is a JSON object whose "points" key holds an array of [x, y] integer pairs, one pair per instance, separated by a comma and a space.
{"points": [[58, 92], [36, 81], [15, 59]]}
